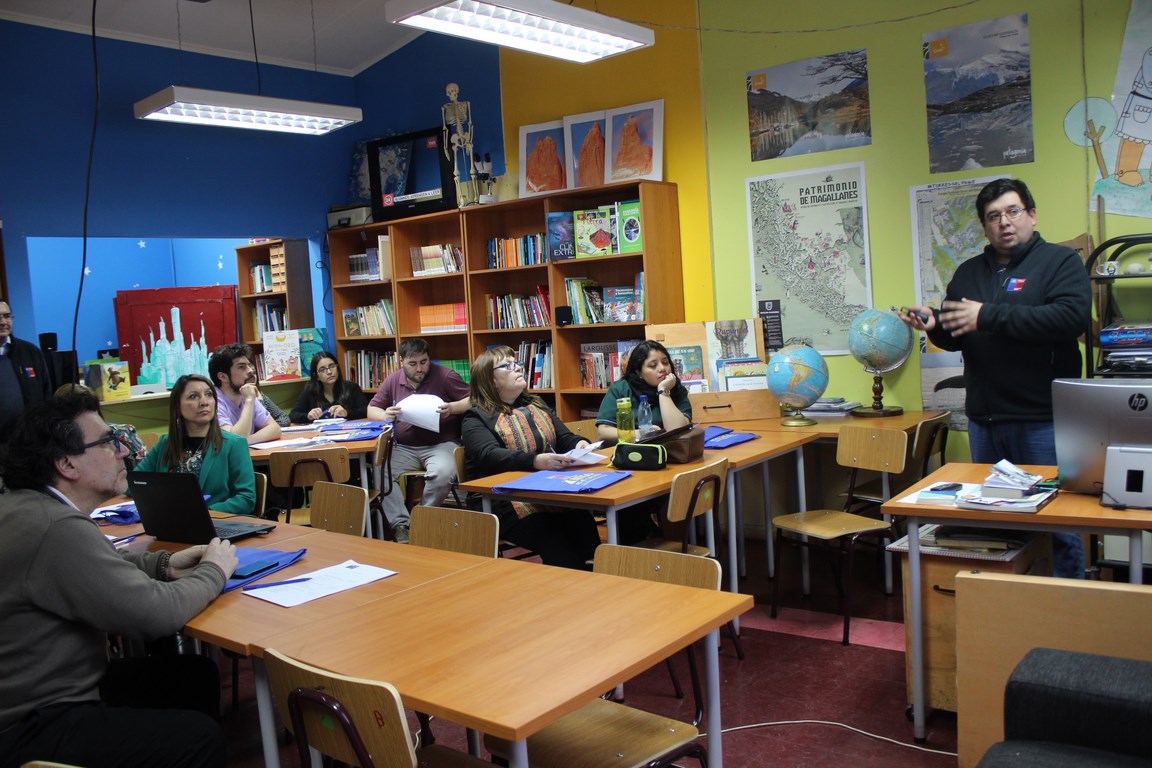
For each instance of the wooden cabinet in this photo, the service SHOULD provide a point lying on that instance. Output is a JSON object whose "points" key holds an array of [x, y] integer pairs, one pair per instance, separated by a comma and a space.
{"points": [[471, 229], [1119, 296], [275, 279]]}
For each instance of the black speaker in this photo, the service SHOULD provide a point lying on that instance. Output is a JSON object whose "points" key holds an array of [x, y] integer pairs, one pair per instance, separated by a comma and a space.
{"points": [[48, 343], [563, 315]]}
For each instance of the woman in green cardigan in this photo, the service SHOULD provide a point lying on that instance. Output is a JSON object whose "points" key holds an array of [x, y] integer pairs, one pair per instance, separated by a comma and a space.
{"points": [[195, 444]]}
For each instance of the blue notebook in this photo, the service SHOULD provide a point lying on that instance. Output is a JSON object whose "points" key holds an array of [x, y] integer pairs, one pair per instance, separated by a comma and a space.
{"points": [[728, 439], [247, 555], [563, 482], [712, 431]]}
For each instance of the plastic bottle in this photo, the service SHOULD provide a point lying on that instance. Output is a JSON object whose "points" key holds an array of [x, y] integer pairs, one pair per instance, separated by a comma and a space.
{"points": [[625, 421], [643, 418]]}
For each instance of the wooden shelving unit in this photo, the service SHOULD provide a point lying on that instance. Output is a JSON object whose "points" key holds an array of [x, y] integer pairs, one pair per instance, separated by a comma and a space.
{"points": [[292, 285], [472, 228]]}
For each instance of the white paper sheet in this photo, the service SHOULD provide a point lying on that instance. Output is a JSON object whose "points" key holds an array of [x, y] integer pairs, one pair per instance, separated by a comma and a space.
{"points": [[326, 581], [421, 411], [292, 442], [585, 456]]}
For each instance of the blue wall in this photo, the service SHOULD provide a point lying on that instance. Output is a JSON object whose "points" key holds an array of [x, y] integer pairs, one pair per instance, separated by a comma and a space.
{"points": [[154, 180]]}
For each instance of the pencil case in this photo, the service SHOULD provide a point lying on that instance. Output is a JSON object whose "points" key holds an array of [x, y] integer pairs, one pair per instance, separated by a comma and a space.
{"points": [[640, 456]]}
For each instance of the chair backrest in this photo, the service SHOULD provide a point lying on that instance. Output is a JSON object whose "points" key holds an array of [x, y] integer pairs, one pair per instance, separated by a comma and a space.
{"points": [[458, 455], [302, 468], [261, 493], [346, 711], [695, 491], [149, 439], [339, 508], [657, 565], [586, 428], [382, 460], [455, 530], [930, 440], [725, 407], [875, 448]]}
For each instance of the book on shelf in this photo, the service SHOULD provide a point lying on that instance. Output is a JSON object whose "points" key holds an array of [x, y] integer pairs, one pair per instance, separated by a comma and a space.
{"points": [[351, 322], [1008, 481], [368, 368], [109, 378], [312, 340], [518, 311], [620, 305], [585, 299], [1027, 504], [599, 362], [629, 227], [592, 229], [642, 307], [624, 349], [741, 373], [462, 367], [436, 259], [561, 236], [516, 251], [439, 318], [374, 265], [537, 359], [281, 355], [688, 364], [269, 315], [613, 227], [1126, 334], [260, 278], [593, 302]]}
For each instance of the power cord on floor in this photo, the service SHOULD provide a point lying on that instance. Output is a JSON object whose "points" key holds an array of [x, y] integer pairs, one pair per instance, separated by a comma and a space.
{"points": [[838, 725]]}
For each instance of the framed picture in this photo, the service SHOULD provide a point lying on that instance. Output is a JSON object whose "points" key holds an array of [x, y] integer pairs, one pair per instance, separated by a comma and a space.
{"points": [[585, 137], [636, 142], [543, 160]]}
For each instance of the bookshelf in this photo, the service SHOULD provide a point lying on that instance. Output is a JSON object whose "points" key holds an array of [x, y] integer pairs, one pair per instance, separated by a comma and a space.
{"points": [[472, 229], [283, 290]]}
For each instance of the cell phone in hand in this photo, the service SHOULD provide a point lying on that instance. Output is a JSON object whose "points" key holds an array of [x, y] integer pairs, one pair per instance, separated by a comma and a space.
{"points": [[244, 571]]}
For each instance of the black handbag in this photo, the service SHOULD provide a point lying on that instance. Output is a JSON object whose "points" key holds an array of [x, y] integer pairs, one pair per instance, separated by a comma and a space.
{"points": [[639, 456]]}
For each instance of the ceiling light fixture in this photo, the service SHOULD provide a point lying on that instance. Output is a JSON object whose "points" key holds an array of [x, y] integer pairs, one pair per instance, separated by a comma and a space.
{"points": [[536, 26], [178, 104]]}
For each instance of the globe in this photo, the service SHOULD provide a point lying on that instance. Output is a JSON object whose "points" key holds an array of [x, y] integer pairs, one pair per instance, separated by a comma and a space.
{"points": [[881, 342], [798, 376]]}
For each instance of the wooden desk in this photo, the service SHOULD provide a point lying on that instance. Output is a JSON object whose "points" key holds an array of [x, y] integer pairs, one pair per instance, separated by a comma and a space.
{"points": [[828, 427], [503, 648], [1068, 511]]}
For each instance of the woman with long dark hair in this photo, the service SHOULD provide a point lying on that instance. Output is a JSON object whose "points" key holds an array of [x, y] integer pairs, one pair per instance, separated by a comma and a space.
{"points": [[195, 444], [648, 372], [328, 394]]}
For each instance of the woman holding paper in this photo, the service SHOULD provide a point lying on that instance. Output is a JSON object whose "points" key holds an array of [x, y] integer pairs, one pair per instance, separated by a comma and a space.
{"points": [[507, 429], [328, 394], [648, 372], [195, 444]]}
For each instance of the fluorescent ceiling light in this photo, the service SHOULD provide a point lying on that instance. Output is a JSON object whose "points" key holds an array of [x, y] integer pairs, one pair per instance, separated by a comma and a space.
{"points": [[536, 26], [177, 104]]}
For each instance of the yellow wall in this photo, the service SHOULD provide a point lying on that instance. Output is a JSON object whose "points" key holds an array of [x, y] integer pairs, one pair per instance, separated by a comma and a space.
{"points": [[537, 89], [1061, 176]]}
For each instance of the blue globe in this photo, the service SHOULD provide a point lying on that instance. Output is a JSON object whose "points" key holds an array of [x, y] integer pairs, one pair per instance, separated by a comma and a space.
{"points": [[797, 375], [879, 340]]}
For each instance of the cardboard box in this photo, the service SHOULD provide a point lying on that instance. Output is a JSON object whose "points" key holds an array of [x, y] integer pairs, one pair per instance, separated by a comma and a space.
{"points": [[349, 216]]}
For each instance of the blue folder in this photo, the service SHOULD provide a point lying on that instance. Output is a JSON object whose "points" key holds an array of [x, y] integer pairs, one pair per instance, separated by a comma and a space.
{"points": [[578, 481], [248, 555], [712, 431], [358, 424], [729, 439]]}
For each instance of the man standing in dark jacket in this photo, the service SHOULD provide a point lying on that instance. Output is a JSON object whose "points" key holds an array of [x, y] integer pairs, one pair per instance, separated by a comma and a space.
{"points": [[23, 374], [1016, 313]]}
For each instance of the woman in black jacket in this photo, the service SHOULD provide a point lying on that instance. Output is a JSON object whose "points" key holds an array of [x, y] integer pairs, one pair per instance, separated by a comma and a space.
{"points": [[328, 394]]}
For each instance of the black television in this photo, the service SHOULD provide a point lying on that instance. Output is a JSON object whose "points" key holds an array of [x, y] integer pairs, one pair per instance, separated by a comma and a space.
{"points": [[410, 174]]}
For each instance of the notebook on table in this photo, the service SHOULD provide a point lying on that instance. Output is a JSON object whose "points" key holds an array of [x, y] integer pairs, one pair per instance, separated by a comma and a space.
{"points": [[172, 508]]}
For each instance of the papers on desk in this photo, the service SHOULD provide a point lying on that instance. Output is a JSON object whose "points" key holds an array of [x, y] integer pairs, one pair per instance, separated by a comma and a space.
{"points": [[585, 456], [297, 428], [292, 442], [321, 583], [421, 411]]}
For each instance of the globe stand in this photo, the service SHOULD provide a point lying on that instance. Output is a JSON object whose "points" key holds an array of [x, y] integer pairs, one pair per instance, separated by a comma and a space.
{"points": [[878, 408], [795, 418]]}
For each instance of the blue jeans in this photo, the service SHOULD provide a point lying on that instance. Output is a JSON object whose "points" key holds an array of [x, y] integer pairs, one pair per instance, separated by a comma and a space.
{"points": [[1028, 442]]}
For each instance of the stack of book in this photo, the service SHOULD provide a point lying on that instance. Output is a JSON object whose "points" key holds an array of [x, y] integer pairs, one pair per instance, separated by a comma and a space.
{"points": [[377, 319], [517, 311], [601, 363], [374, 265], [604, 231], [462, 367], [1127, 346], [439, 318], [436, 259], [981, 539], [368, 369], [516, 251], [832, 406], [537, 357], [1008, 481], [260, 278]]}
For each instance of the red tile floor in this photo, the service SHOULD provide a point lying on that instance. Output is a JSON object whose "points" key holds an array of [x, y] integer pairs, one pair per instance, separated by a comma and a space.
{"points": [[795, 700]]}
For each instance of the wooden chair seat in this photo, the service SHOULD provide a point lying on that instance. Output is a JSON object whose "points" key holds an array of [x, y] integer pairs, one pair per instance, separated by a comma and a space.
{"points": [[828, 524], [602, 734]]}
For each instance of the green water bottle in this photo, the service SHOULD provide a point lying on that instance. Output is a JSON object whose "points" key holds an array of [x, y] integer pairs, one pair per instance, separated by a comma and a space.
{"points": [[625, 420]]}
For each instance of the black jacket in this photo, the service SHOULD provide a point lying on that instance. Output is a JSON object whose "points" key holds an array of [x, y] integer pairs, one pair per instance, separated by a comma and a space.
{"points": [[31, 373], [1035, 309]]}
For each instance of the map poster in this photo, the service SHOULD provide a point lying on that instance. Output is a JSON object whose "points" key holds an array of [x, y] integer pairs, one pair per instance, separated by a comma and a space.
{"points": [[808, 239], [978, 84], [946, 234]]}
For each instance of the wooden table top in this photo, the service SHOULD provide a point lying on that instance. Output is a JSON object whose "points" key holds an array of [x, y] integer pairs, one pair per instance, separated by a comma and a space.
{"points": [[242, 623], [649, 483], [1076, 510], [509, 647], [828, 427], [353, 446]]}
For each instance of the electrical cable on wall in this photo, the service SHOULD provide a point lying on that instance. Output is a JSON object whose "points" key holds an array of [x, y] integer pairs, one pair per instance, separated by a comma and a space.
{"points": [[87, 190]]}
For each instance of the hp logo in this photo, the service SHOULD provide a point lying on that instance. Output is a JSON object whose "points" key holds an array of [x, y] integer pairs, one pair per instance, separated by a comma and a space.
{"points": [[1138, 401]]}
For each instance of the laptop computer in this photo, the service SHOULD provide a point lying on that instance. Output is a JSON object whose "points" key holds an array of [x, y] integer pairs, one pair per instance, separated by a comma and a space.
{"points": [[172, 508]]}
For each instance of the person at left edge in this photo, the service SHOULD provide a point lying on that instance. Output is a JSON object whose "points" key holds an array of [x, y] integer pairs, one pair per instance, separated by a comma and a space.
{"points": [[195, 444], [238, 405], [23, 373], [64, 588]]}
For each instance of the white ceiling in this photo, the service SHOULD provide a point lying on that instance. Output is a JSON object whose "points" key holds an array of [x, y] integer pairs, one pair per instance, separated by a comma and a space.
{"points": [[350, 35]]}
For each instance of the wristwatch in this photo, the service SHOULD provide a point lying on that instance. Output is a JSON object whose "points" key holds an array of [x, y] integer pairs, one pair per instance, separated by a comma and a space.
{"points": [[666, 392]]}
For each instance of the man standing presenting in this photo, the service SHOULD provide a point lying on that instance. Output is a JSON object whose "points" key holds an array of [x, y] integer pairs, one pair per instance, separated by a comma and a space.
{"points": [[418, 449], [238, 405], [64, 587], [23, 373], [1015, 312]]}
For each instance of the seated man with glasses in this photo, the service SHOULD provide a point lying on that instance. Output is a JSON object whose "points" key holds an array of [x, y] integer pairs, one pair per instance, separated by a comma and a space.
{"points": [[418, 449], [1016, 312], [65, 587]]}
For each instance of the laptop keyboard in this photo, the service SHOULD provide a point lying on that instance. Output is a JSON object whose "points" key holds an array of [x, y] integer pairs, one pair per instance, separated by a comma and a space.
{"points": [[227, 530]]}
